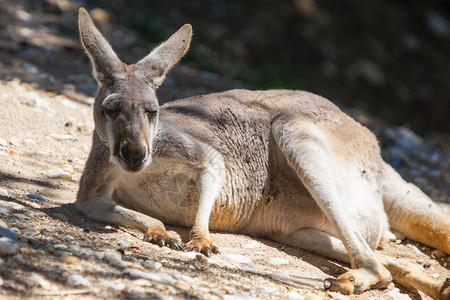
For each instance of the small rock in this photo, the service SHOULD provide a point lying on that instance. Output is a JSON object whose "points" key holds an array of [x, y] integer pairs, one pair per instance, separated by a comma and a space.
{"points": [[77, 281], [19, 224], [438, 24], [22, 217], [278, 261], [36, 197], [14, 230], [435, 275], [113, 257], [7, 246], [18, 258], [3, 192], [61, 175], [248, 266], [62, 137], [135, 295], [148, 263], [68, 238], [238, 258], [3, 143], [252, 245], [61, 217], [157, 265], [99, 255], [4, 210], [155, 276], [39, 281], [61, 253], [414, 248], [69, 259], [182, 285], [11, 233], [325, 269], [439, 253], [3, 224]]}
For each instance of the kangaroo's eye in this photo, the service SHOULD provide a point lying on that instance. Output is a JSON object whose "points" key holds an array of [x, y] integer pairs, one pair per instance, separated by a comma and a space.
{"points": [[112, 112]]}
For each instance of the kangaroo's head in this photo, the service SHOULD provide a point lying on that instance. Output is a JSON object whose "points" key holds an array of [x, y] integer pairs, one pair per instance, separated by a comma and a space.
{"points": [[126, 109]]}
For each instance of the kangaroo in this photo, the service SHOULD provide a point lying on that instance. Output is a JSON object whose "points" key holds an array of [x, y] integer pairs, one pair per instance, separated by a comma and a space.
{"points": [[285, 165]]}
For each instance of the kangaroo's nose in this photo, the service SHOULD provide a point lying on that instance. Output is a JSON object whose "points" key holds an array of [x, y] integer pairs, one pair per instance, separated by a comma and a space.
{"points": [[133, 154]]}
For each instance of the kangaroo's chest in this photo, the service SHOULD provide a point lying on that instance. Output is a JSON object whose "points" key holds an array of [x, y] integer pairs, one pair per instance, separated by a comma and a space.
{"points": [[170, 195]]}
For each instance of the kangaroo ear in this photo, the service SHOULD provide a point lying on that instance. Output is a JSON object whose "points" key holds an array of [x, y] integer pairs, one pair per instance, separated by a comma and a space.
{"points": [[155, 65], [104, 61]]}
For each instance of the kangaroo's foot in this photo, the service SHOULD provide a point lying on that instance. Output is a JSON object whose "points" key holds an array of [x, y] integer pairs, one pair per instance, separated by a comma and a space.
{"points": [[201, 243], [163, 238], [357, 281]]}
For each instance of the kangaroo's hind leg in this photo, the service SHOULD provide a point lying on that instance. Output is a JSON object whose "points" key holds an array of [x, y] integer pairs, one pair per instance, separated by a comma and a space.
{"points": [[307, 152]]}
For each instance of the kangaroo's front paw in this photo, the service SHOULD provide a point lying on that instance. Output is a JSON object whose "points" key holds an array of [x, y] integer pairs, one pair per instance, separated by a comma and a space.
{"points": [[162, 238], [202, 245], [359, 280]]}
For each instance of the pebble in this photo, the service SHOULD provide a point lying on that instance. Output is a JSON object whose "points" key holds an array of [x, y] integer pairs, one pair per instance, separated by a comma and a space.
{"points": [[414, 248], [7, 246], [115, 285], [18, 258], [61, 175], [252, 245], [148, 263], [70, 259], [22, 217], [113, 257], [68, 238], [62, 137], [61, 217], [135, 295], [435, 275], [155, 276], [61, 253], [99, 255], [182, 285], [75, 280], [238, 258], [3, 192], [36, 197], [325, 269], [11, 233], [14, 230], [39, 281], [157, 265], [439, 253], [278, 261], [438, 24], [3, 224], [3, 142]]}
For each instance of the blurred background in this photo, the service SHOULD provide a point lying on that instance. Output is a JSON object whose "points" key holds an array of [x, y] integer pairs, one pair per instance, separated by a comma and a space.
{"points": [[386, 63], [388, 58]]}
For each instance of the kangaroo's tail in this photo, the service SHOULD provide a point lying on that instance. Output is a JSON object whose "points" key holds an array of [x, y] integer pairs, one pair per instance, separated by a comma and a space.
{"points": [[412, 213]]}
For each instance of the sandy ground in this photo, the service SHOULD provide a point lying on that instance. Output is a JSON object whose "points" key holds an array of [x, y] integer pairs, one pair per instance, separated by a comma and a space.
{"points": [[46, 140]]}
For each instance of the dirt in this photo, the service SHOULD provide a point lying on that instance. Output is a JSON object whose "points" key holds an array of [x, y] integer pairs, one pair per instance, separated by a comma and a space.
{"points": [[46, 127]]}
